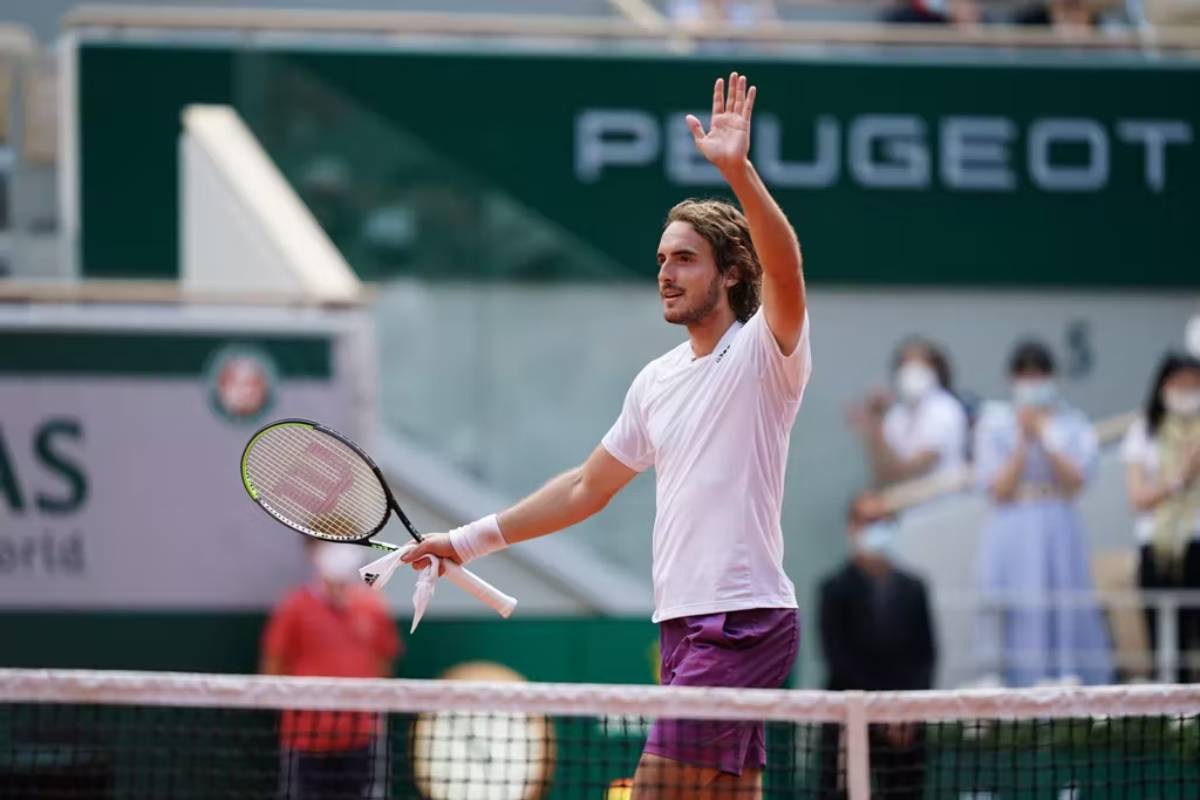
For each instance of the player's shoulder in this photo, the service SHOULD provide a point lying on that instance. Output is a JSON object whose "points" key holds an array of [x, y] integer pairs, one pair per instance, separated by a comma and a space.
{"points": [[756, 324], [664, 362]]}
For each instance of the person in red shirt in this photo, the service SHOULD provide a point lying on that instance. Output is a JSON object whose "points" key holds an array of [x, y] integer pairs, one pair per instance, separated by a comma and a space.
{"points": [[334, 626]]}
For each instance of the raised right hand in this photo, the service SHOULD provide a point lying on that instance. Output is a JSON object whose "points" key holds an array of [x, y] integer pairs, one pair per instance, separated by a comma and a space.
{"points": [[434, 544]]}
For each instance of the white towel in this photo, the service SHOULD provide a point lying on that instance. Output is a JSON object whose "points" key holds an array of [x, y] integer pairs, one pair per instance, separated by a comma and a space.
{"points": [[380, 571]]}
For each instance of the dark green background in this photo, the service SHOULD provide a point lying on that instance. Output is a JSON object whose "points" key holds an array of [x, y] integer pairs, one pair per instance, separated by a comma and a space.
{"points": [[546, 649], [508, 122], [158, 353]]}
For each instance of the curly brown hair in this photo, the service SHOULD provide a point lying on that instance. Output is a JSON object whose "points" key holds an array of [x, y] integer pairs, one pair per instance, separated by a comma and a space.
{"points": [[724, 227]]}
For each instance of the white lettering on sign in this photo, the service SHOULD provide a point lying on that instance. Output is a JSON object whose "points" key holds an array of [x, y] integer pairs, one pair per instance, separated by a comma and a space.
{"points": [[824, 168], [889, 152], [613, 138], [975, 153], [892, 151], [1088, 177], [1155, 135], [685, 165]]}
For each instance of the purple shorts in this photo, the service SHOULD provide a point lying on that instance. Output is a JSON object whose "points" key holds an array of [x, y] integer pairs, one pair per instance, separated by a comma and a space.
{"points": [[754, 648]]}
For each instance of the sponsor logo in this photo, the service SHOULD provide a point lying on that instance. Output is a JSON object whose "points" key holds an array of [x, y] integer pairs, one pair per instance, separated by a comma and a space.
{"points": [[241, 383], [898, 151]]}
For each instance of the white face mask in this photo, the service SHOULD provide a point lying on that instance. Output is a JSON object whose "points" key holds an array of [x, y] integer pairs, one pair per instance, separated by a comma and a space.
{"points": [[1182, 402], [878, 539], [914, 380], [337, 563], [1036, 392]]}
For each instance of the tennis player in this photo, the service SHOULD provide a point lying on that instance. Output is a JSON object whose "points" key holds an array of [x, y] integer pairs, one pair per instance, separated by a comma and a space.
{"points": [[713, 416]]}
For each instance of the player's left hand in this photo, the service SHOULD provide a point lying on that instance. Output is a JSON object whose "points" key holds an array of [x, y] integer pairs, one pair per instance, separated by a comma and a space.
{"points": [[727, 142], [437, 544]]}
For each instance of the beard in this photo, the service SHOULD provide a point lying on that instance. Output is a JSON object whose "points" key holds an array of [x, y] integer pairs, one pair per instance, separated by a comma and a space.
{"points": [[700, 308]]}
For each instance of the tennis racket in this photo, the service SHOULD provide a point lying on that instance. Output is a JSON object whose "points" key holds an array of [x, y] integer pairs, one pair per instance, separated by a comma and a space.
{"points": [[316, 481]]}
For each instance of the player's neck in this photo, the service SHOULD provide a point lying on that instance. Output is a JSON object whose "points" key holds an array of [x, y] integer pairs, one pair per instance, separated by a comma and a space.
{"points": [[705, 334]]}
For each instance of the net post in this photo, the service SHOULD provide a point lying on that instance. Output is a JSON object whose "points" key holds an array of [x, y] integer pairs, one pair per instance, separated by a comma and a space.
{"points": [[858, 755], [1168, 653]]}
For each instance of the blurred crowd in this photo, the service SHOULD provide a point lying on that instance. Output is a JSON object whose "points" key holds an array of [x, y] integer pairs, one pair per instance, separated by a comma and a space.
{"points": [[1061, 14], [1031, 455]]}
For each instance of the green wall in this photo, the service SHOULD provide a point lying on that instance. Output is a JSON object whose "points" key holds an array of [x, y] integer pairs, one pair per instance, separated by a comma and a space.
{"points": [[509, 131], [550, 649]]}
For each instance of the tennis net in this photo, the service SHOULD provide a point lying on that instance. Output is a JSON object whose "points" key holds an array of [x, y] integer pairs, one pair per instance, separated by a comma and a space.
{"points": [[81, 734]]}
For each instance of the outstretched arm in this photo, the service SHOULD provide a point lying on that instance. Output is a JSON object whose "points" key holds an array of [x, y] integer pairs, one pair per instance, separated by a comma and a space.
{"points": [[727, 146], [563, 501], [567, 499]]}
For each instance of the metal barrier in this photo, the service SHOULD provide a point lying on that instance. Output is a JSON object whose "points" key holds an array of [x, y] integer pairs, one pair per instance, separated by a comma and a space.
{"points": [[1161, 663], [639, 24]]}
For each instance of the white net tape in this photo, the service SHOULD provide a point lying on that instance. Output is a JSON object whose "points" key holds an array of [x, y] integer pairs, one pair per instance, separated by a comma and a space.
{"points": [[154, 735], [415, 696]]}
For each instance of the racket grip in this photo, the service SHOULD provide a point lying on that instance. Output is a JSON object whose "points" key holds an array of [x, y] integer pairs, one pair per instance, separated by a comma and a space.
{"points": [[483, 591]]}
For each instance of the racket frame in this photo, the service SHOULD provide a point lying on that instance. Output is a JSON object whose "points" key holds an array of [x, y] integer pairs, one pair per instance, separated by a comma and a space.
{"points": [[465, 579], [393, 506]]}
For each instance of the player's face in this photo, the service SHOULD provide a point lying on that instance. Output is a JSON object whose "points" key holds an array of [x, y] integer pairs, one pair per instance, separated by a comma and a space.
{"points": [[689, 283]]}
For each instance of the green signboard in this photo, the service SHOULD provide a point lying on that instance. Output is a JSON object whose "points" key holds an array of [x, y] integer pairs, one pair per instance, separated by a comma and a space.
{"points": [[897, 171]]}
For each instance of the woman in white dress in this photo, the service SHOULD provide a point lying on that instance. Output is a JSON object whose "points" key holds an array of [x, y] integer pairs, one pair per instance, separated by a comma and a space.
{"points": [[1162, 477], [921, 429], [1033, 458]]}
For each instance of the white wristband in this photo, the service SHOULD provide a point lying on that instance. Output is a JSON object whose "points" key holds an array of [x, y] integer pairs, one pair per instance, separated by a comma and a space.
{"points": [[477, 539]]}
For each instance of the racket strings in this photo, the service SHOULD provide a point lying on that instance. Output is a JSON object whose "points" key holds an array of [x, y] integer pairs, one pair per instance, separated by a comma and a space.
{"points": [[322, 474], [315, 482], [318, 486], [303, 486]]}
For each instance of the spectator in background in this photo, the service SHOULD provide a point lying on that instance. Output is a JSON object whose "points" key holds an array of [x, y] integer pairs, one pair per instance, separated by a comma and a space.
{"points": [[1061, 14], [1033, 458], [1162, 475], [939, 12], [923, 431], [335, 626], [877, 634], [740, 13]]}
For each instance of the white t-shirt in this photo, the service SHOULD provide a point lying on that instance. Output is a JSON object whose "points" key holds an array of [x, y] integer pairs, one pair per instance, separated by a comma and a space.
{"points": [[936, 422], [716, 430], [1139, 448]]}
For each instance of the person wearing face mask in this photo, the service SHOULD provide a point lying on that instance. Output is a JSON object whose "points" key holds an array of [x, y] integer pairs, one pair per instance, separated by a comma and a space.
{"points": [[966, 13], [1033, 458], [333, 626], [921, 429], [877, 634], [1161, 452]]}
